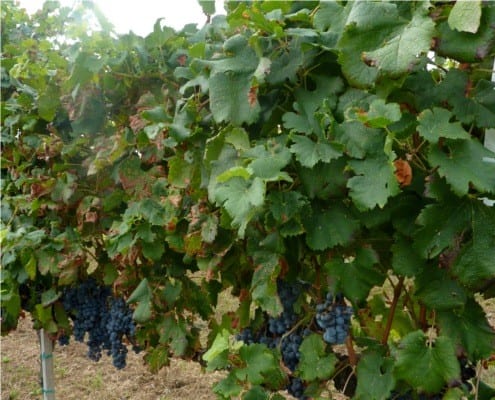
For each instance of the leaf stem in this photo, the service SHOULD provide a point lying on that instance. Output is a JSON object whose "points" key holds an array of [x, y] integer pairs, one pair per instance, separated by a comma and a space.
{"points": [[397, 293]]}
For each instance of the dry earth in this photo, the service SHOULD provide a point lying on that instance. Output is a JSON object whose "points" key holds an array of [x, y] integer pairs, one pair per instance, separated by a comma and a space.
{"points": [[77, 377]]}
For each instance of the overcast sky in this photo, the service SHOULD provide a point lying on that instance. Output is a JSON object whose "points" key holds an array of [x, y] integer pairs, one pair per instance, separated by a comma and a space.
{"points": [[140, 15]]}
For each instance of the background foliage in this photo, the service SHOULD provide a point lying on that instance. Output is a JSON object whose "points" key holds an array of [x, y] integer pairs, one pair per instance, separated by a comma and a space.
{"points": [[337, 145]]}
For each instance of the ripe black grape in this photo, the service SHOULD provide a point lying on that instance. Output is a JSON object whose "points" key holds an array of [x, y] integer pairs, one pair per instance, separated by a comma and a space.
{"points": [[105, 320], [334, 317]]}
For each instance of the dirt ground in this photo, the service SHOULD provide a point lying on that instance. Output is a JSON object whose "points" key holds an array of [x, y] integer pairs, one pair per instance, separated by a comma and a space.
{"points": [[77, 377]]}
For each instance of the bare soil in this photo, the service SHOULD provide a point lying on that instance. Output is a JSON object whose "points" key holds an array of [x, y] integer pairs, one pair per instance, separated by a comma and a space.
{"points": [[77, 377]]}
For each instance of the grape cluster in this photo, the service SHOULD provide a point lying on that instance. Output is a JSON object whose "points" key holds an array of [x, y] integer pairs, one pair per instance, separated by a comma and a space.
{"points": [[281, 332], [105, 319], [334, 317]]}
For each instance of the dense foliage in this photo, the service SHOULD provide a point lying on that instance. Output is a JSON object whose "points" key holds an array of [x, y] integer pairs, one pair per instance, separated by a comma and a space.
{"points": [[333, 146]]}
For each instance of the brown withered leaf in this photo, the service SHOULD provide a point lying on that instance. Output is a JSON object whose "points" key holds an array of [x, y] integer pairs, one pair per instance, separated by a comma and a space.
{"points": [[403, 172]]}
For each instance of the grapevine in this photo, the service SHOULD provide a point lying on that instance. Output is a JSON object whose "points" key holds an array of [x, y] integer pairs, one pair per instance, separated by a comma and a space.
{"points": [[325, 166]]}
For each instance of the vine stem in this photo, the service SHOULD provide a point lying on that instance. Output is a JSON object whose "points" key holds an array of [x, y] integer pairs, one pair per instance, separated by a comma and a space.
{"points": [[393, 307], [350, 351]]}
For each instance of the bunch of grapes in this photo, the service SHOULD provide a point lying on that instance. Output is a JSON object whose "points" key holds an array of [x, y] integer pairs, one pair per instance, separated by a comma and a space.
{"points": [[281, 332], [105, 319], [334, 317]]}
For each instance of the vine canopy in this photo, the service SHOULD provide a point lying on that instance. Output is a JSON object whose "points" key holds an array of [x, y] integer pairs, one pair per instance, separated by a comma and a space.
{"points": [[337, 145]]}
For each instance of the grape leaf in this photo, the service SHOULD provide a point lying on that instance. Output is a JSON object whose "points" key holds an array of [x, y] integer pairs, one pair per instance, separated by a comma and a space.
{"points": [[208, 6], [475, 264], [469, 328], [441, 224], [426, 366], [325, 180], [260, 364], [437, 290], [264, 282], [304, 119], [48, 102], [406, 260], [476, 169], [256, 393], [360, 140], [380, 114], [374, 182], [285, 205], [180, 171], [355, 275], [241, 198], [228, 387], [465, 16], [174, 331], [375, 377], [217, 355], [230, 98], [308, 152], [269, 161], [434, 124], [366, 27], [326, 228], [478, 107], [401, 49], [143, 296], [314, 362]]}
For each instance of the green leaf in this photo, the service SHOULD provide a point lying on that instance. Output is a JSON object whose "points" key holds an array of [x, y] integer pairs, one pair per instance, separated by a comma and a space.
{"points": [[264, 282], [479, 107], [360, 140], [260, 364], [208, 6], [305, 118], [256, 393], [241, 199], [426, 366], [234, 172], [154, 212], [174, 331], [325, 180], [269, 159], [356, 274], [465, 16], [434, 124], [230, 98], [48, 103], [380, 114], [374, 182], [50, 296], [406, 260], [441, 224], [308, 152], [474, 264], [375, 377], [327, 228], [228, 387], [217, 354], [468, 46], [437, 290], [314, 361], [476, 169], [400, 50], [469, 328], [143, 296]]}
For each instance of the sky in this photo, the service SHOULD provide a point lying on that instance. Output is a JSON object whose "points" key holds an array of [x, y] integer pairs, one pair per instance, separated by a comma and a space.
{"points": [[140, 15]]}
